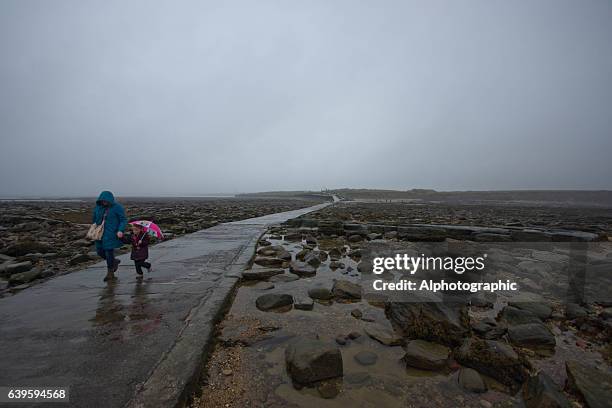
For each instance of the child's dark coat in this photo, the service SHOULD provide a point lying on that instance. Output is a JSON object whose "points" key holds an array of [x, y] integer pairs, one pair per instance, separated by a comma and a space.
{"points": [[140, 245]]}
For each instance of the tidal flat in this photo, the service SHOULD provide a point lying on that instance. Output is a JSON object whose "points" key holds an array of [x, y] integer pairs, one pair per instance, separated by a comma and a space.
{"points": [[305, 327]]}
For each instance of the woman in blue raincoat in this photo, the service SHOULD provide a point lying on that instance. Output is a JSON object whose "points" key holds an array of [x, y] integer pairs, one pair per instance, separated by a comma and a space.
{"points": [[115, 221]]}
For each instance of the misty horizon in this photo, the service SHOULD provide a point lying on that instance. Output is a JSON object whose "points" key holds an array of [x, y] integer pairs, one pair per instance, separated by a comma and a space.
{"points": [[198, 98]]}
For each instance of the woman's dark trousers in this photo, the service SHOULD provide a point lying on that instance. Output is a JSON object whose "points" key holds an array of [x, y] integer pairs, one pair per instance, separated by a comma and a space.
{"points": [[108, 255]]}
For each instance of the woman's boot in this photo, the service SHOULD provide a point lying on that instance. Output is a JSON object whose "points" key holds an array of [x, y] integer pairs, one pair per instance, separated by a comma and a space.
{"points": [[116, 265], [110, 275]]}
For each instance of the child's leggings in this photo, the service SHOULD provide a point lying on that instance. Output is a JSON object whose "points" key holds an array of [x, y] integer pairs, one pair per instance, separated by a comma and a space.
{"points": [[140, 264]]}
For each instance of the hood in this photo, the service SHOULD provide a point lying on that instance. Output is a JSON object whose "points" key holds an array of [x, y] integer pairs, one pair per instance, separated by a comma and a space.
{"points": [[106, 196]]}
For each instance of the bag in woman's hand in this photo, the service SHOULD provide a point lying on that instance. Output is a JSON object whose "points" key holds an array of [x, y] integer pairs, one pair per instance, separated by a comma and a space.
{"points": [[96, 231]]}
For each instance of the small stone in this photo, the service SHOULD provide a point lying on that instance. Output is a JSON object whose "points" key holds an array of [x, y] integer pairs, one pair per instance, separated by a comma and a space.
{"points": [[303, 303], [356, 313], [341, 340], [226, 372], [355, 238], [328, 389], [354, 335]]}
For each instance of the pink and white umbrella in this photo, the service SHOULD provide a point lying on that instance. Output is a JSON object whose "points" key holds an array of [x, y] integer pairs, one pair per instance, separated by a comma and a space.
{"points": [[150, 227]]}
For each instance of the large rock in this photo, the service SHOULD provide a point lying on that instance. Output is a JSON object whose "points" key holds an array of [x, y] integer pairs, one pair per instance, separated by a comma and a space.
{"points": [[269, 262], [260, 273], [320, 293], [309, 361], [80, 258], [25, 277], [513, 316], [346, 290], [275, 251], [8, 268], [471, 380], [302, 269], [335, 254], [273, 301], [425, 355], [541, 392], [592, 385], [541, 310], [444, 323], [493, 358], [574, 311], [489, 329], [314, 258], [531, 335], [26, 247]]}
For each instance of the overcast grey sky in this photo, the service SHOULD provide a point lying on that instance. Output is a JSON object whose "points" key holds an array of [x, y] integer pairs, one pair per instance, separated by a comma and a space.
{"points": [[176, 97]]}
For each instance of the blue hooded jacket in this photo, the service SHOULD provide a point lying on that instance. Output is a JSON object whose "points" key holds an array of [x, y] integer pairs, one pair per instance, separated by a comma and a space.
{"points": [[115, 220]]}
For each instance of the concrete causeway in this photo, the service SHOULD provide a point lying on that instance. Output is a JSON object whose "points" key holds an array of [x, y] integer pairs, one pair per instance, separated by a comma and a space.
{"points": [[129, 344]]}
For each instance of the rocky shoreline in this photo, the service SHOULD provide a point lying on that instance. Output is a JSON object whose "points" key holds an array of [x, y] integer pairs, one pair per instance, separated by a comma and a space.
{"points": [[305, 329], [42, 239]]}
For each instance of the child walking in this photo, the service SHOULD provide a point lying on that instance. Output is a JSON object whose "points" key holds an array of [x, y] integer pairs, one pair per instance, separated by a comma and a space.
{"points": [[139, 239]]}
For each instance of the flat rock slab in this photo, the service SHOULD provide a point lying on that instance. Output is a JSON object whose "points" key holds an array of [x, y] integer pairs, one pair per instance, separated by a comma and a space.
{"points": [[425, 355], [302, 269], [366, 358], [130, 343], [592, 384], [383, 335], [260, 273]]}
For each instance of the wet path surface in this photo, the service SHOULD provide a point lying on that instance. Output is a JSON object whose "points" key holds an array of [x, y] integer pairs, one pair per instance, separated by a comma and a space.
{"points": [[103, 340]]}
